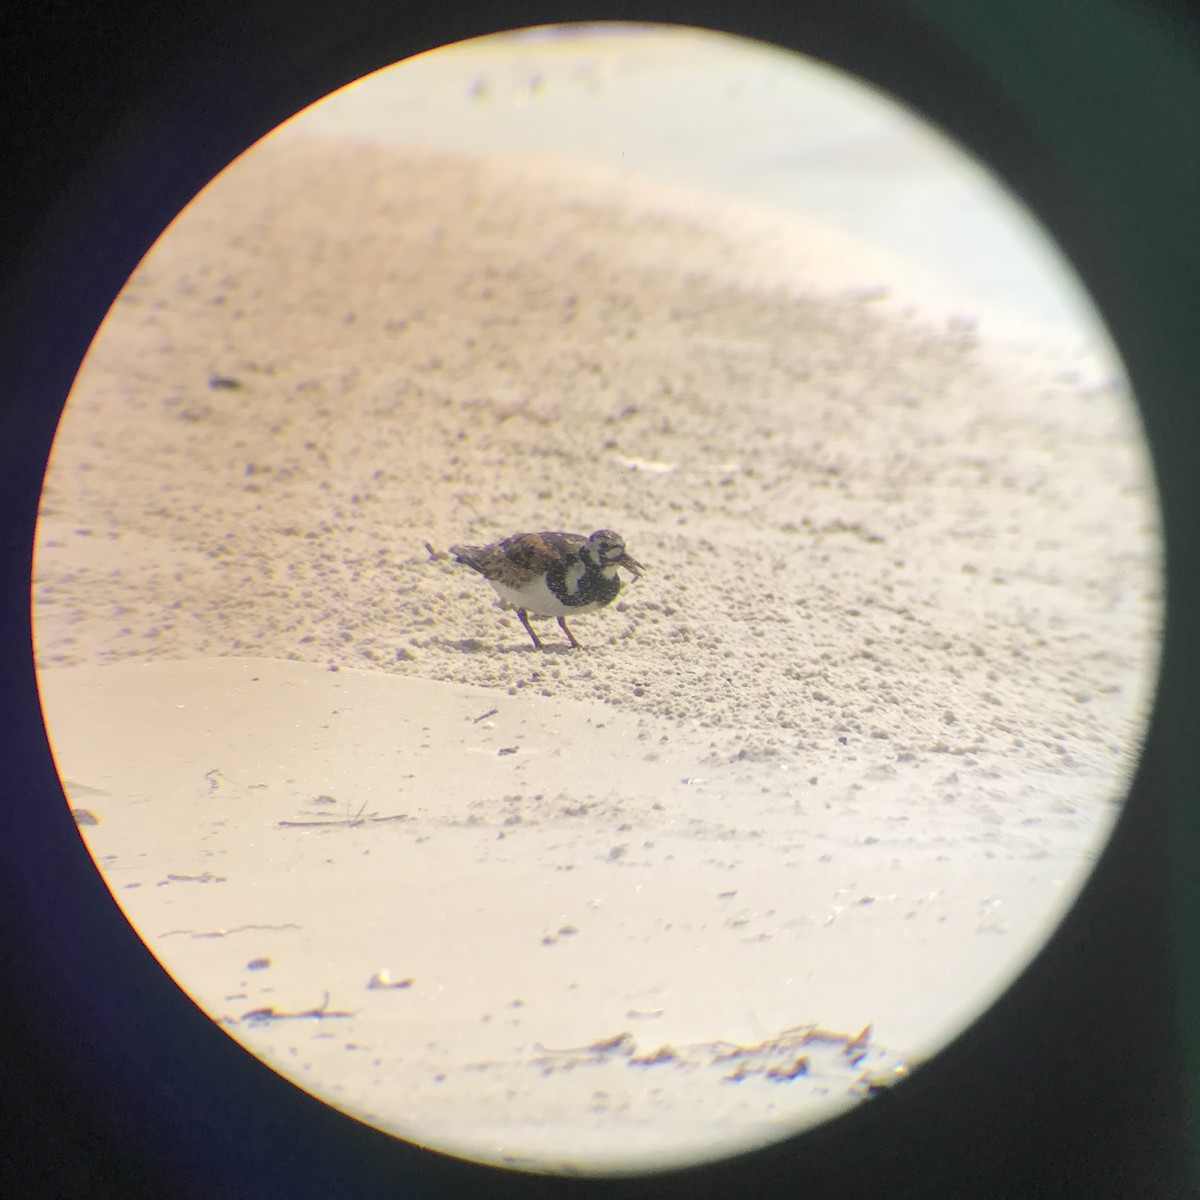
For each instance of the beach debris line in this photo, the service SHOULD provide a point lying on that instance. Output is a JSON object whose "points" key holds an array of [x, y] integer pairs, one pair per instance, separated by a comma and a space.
{"points": [[788, 1054], [800, 1050], [619, 1043]]}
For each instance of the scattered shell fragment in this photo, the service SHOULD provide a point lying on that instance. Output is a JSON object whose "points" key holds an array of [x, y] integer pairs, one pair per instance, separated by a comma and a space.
{"points": [[383, 979]]}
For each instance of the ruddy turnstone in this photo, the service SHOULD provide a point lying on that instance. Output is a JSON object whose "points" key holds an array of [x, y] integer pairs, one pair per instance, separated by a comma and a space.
{"points": [[552, 574]]}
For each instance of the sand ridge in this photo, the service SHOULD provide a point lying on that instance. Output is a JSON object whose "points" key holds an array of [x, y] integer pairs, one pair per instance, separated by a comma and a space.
{"points": [[830, 502]]}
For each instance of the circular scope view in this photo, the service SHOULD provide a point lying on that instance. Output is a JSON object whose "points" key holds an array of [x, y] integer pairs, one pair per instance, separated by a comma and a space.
{"points": [[597, 596]]}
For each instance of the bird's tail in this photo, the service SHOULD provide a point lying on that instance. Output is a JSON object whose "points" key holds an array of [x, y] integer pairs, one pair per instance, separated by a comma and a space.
{"points": [[467, 555]]}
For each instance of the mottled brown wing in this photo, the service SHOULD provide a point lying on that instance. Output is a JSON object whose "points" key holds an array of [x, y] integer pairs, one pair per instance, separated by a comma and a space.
{"points": [[535, 553], [516, 560]]}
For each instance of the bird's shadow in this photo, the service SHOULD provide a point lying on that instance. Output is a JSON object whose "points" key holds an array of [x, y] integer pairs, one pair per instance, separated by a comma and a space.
{"points": [[476, 646]]}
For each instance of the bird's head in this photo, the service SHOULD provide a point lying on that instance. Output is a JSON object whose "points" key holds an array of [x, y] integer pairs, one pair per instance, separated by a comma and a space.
{"points": [[607, 549]]}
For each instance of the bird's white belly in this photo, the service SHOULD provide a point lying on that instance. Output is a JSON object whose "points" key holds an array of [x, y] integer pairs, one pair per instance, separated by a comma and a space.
{"points": [[538, 598]]}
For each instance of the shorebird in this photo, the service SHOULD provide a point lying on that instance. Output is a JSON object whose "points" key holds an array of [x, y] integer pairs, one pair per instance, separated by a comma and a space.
{"points": [[552, 574]]}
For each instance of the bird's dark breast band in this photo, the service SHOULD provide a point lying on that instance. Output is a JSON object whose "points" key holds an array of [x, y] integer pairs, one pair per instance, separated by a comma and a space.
{"points": [[594, 587]]}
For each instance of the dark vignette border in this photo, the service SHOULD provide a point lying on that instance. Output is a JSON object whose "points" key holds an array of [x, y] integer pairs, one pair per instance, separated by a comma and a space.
{"points": [[112, 1084]]}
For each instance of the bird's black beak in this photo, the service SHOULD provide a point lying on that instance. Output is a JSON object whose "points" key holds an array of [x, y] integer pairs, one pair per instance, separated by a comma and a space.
{"points": [[632, 565]]}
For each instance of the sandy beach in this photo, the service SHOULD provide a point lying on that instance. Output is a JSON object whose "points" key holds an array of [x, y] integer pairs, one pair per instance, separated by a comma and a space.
{"points": [[821, 781]]}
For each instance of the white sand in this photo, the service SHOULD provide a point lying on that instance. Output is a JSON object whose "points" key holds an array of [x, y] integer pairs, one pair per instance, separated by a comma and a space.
{"points": [[841, 757]]}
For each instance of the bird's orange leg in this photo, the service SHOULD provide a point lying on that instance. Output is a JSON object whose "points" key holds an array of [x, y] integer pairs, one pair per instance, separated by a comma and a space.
{"points": [[529, 628]]}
